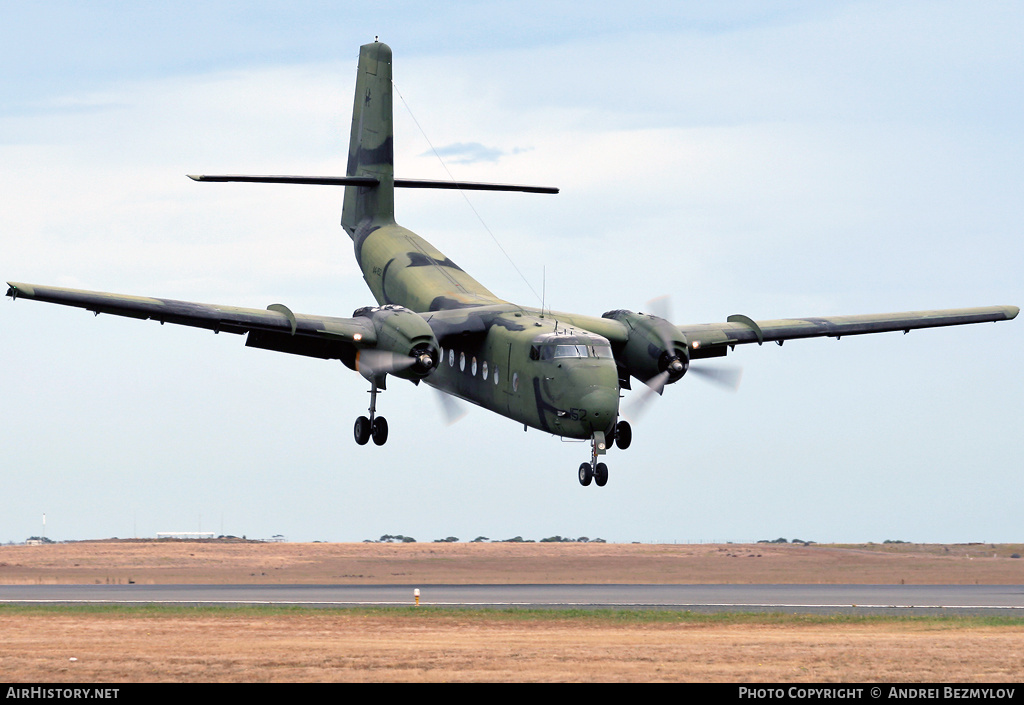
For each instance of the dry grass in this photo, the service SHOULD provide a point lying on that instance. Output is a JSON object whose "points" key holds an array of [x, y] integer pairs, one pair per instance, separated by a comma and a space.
{"points": [[119, 646], [184, 562], [249, 646]]}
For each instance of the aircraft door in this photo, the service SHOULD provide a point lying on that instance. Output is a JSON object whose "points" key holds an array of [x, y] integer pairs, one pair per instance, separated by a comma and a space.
{"points": [[503, 376]]}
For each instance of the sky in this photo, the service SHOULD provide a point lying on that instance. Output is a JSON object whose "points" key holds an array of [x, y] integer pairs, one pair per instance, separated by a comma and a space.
{"points": [[776, 159]]}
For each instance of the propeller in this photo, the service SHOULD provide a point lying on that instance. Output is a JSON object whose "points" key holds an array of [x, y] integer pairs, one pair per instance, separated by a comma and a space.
{"points": [[374, 363], [451, 408], [661, 306], [640, 402], [725, 377], [675, 367]]}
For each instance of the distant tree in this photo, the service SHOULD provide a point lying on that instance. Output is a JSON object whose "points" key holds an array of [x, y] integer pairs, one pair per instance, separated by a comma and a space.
{"points": [[450, 539], [480, 539]]}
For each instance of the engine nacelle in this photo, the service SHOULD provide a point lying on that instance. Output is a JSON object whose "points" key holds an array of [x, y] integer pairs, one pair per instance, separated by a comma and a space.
{"points": [[654, 347], [406, 347]]}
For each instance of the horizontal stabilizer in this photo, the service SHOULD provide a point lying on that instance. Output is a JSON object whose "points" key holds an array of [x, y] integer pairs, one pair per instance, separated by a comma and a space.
{"points": [[471, 186], [313, 180], [370, 181]]}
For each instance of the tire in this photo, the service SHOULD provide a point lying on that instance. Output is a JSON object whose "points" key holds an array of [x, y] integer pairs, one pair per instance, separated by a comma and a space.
{"points": [[601, 475], [362, 430], [380, 430], [623, 434], [586, 475]]}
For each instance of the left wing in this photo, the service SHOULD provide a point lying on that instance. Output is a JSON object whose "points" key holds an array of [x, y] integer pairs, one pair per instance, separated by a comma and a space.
{"points": [[275, 328], [710, 339]]}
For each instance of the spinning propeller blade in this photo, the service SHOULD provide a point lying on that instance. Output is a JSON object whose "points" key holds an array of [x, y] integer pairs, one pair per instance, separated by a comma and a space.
{"points": [[451, 408], [726, 377], [374, 363]]}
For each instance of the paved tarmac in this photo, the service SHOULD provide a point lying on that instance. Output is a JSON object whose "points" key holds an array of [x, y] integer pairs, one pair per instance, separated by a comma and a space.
{"points": [[812, 599]]}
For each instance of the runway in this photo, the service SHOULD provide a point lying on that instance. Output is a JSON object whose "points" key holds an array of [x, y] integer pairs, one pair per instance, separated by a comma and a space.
{"points": [[1007, 600]]}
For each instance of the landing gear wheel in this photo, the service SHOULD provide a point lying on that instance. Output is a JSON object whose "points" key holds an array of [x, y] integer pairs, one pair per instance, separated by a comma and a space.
{"points": [[380, 431], [601, 474], [362, 430], [623, 434], [586, 475]]}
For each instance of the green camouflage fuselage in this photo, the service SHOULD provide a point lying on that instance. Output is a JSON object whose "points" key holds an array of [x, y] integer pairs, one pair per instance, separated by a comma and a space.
{"points": [[495, 358], [492, 353]]}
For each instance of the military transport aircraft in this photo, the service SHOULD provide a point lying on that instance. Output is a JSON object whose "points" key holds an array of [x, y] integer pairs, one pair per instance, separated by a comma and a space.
{"points": [[557, 372]]}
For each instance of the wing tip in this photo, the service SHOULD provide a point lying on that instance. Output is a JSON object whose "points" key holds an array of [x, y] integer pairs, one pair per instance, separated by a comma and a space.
{"points": [[14, 289]]}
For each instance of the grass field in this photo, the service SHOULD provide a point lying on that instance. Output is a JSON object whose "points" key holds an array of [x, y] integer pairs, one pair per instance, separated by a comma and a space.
{"points": [[146, 644], [110, 644]]}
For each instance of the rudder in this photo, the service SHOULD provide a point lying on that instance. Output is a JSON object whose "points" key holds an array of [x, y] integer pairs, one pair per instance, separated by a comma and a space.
{"points": [[371, 143]]}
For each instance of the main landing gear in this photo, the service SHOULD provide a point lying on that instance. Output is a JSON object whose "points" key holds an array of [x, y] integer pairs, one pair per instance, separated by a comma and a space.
{"points": [[598, 472], [375, 427]]}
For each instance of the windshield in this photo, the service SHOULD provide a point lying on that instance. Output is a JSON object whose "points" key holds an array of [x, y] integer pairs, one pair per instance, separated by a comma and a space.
{"points": [[552, 351]]}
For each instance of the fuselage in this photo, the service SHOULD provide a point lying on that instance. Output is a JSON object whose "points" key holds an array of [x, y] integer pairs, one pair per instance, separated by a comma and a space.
{"points": [[540, 370], [543, 371]]}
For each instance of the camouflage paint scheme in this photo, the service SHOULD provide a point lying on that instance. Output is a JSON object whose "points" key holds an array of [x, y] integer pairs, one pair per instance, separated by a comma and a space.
{"points": [[448, 330]]}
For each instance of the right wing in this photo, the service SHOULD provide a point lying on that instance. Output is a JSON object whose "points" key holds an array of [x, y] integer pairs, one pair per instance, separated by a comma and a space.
{"points": [[275, 328]]}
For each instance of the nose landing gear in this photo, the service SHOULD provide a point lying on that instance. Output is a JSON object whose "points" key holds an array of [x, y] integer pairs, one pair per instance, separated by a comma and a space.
{"points": [[375, 427], [597, 472]]}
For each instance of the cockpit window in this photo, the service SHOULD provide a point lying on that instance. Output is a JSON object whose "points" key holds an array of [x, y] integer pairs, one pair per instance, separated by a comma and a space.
{"points": [[561, 351], [571, 351]]}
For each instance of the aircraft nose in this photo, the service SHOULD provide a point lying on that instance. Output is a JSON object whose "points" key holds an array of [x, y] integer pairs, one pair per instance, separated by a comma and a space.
{"points": [[602, 406]]}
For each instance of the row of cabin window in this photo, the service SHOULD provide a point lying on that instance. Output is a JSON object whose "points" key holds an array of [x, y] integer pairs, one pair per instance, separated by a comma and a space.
{"points": [[462, 365]]}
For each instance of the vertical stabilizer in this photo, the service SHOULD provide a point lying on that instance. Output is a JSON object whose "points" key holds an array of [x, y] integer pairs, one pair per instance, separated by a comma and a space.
{"points": [[370, 147]]}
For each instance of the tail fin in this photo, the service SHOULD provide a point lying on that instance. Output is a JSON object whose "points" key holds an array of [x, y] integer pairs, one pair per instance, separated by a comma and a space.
{"points": [[370, 178], [371, 145]]}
